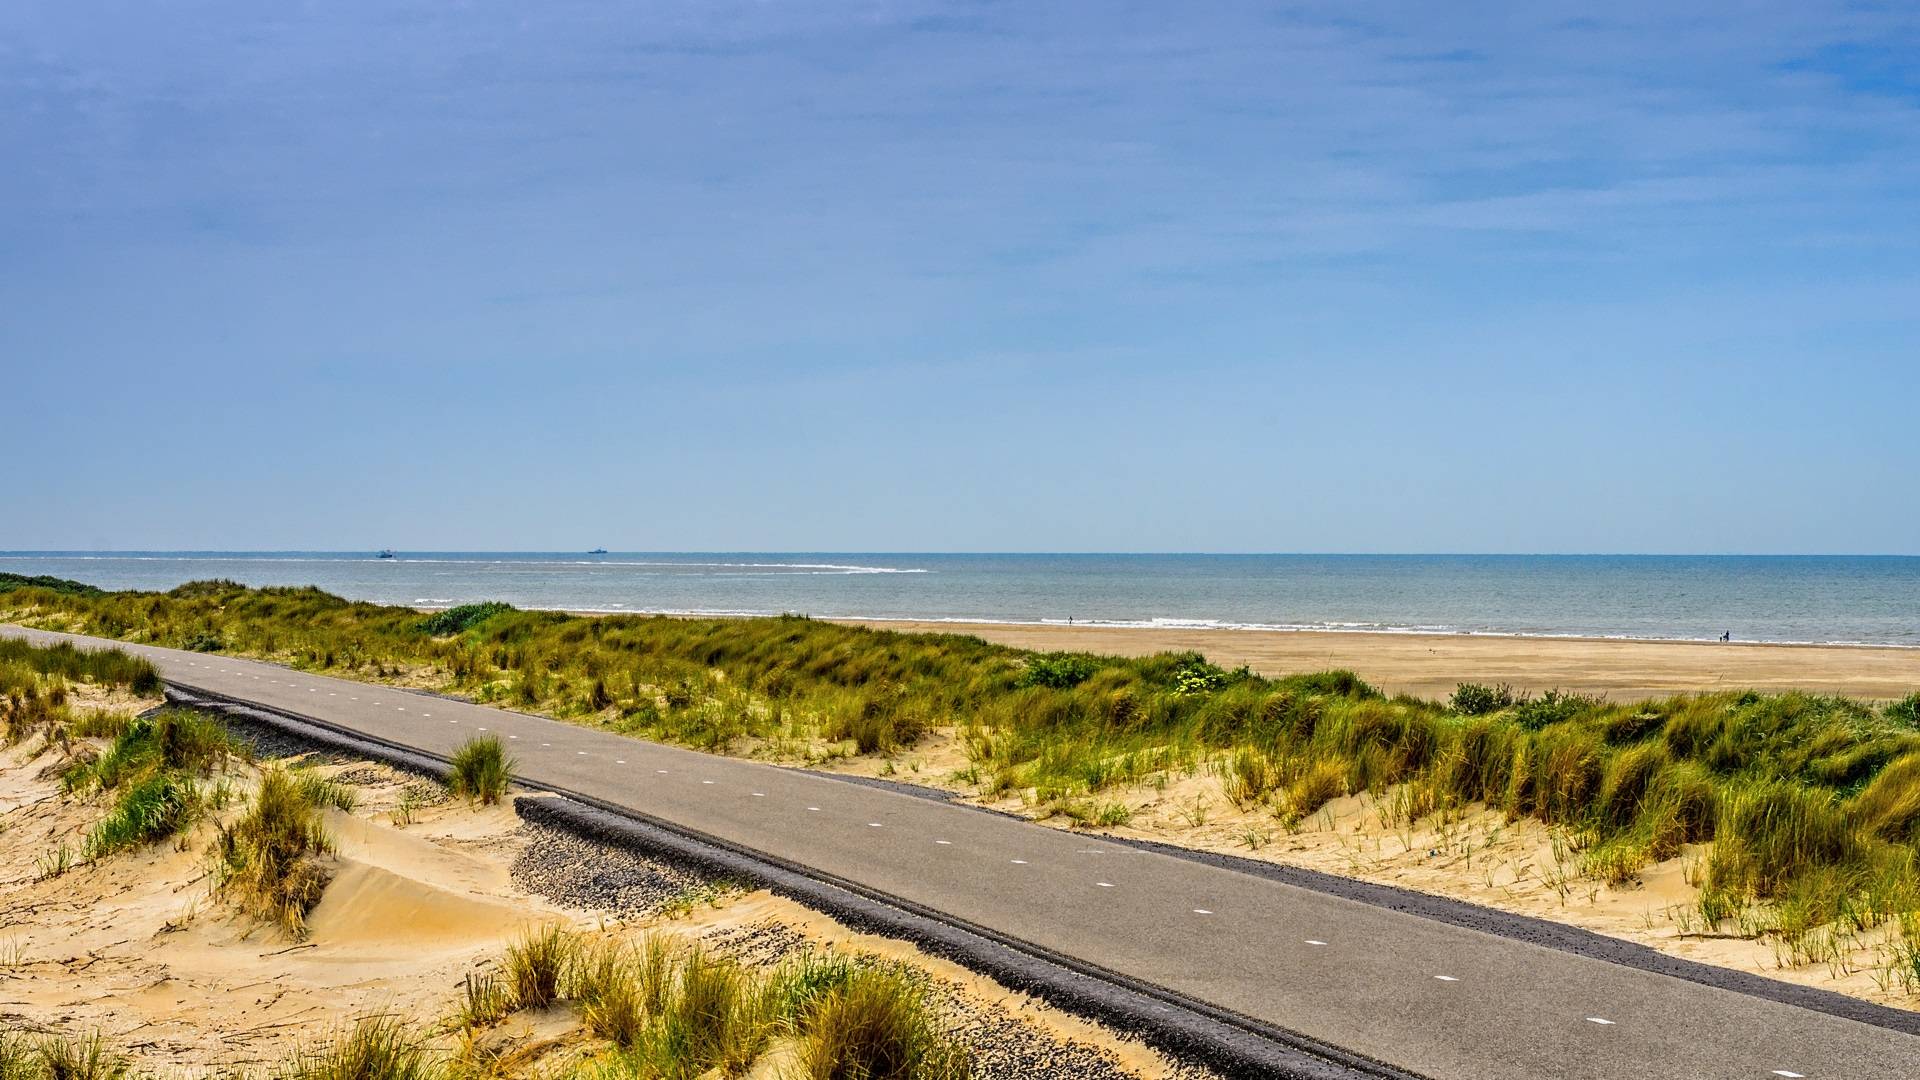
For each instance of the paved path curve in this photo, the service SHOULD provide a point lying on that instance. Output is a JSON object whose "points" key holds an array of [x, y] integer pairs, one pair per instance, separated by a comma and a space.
{"points": [[1433, 999]]}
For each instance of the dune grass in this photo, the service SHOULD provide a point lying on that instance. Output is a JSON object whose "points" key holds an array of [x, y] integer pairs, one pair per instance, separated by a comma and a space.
{"points": [[153, 767], [35, 679], [480, 770], [1810, 802], [267, 862], [676, 1011], [105, 667], [58, 1057], [374, 1048]]}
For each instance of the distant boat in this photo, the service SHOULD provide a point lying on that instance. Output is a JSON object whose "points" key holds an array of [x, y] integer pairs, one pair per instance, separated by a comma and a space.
{"points": [[387, 553], [598, 551]]}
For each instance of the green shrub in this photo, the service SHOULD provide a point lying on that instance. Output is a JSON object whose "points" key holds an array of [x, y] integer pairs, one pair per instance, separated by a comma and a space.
{"points": [[1474, 699], [59, 586], [1553, 707], [204, 641], [1058, 671], [458, 620]]}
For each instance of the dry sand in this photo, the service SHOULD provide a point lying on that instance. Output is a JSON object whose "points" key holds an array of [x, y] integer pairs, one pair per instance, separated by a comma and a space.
{"points": [[1430, 665], [134, 946]]}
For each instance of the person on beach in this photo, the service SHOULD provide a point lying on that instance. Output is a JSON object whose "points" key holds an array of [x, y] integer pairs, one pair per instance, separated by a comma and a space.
{"points": [[1726, 637]]}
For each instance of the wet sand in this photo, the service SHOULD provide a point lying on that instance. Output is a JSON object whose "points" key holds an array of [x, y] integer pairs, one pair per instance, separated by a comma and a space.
{"points": [[1430, 665]]}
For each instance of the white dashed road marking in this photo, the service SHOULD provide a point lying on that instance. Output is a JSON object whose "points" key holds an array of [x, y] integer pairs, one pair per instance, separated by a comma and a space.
{"points": [[706, 781], [1104, 884], [1446, 978], [947, 842], [815, 809], [620, 761], [1311, 941], [759, 794], [1019, 862], [1600, 1020], [1787, 1072], [875, 825], [582, 753]]}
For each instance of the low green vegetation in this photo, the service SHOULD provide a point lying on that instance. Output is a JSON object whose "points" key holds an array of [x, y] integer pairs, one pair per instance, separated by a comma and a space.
{"points": [[47, 583], [152, 769], [1811, 803], [480, 770]]}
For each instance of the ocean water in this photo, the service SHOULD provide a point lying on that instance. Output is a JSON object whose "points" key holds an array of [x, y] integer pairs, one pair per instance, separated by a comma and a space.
{"points": [[1849, 599]]}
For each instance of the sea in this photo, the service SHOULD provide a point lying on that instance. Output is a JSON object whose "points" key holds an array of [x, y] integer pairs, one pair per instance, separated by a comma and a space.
{"points": [[1844, 599]]}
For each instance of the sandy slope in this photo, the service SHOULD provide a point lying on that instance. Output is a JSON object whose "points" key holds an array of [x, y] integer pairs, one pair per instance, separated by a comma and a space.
{"points": [[135, 948], [1428, 665]]}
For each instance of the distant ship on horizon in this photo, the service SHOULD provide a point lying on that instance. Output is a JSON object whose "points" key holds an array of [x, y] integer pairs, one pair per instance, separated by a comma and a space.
{"points": [[386, 553], [598, 551]]}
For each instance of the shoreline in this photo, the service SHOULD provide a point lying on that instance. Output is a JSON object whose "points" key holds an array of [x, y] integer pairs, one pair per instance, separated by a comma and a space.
{"points": [[1429, 664]]}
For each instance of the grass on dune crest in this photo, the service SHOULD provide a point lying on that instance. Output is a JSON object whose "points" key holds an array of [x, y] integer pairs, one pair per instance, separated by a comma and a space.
{"points": [[1812, 803]]}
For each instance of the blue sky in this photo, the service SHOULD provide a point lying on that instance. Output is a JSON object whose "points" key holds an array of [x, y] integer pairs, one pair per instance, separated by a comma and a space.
{"points": [[877, 276]]}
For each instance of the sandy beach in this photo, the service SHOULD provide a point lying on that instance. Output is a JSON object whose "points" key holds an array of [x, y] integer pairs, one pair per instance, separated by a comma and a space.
{"points": [[1430, 665]]}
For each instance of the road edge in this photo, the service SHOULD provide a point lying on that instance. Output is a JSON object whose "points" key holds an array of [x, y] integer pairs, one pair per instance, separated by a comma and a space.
{"points": [[1231, 1044]]}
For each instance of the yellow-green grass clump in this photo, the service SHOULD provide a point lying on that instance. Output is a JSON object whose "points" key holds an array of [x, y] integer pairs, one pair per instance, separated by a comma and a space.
{"points": [[480, 770], [268, 862]]}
